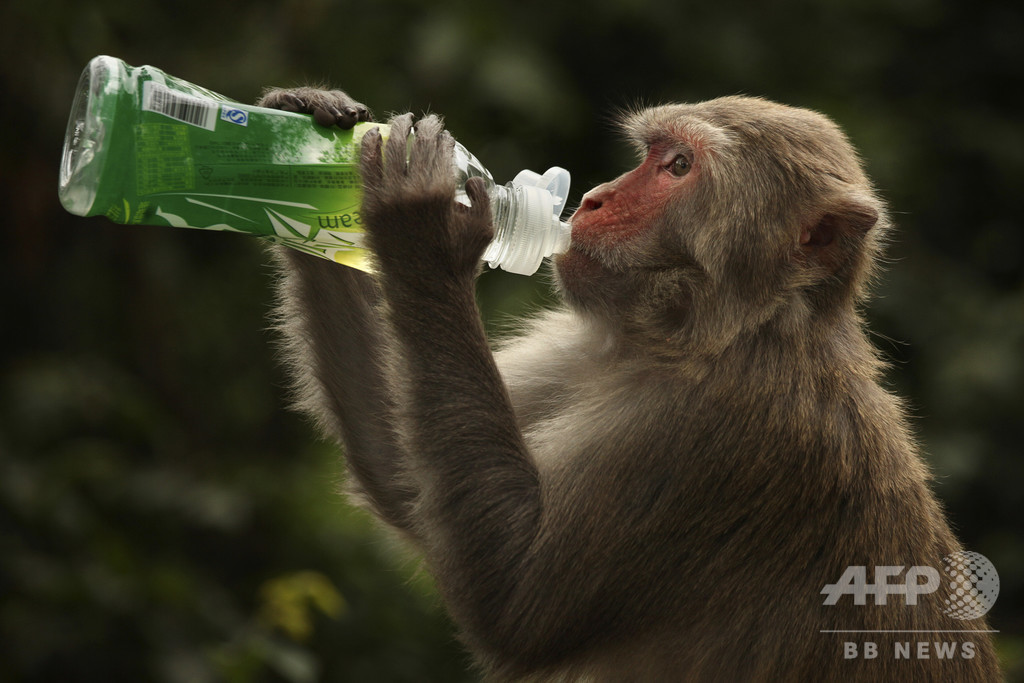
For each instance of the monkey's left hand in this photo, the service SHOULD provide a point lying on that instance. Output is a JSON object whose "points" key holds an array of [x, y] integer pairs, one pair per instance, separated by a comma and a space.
{"points": [[328, 107], [415, 227]]}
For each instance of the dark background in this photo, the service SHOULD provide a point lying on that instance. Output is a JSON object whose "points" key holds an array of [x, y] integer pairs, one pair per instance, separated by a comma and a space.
{"points": [[164, 517]]}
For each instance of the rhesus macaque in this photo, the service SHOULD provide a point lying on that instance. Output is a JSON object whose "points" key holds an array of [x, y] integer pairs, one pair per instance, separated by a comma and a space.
{"points": [[655, 480]]}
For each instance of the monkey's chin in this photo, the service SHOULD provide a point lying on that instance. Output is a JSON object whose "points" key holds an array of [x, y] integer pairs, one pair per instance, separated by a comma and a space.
{"points": [[575, 264], [583, 279]]}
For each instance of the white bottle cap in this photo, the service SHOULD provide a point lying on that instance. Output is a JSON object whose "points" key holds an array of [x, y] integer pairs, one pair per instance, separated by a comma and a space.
{"points": [[537, 232]]}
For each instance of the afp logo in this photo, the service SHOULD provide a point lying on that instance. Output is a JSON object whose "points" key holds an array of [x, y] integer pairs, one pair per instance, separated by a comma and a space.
{"points": [[969, 579], [234, 115]]}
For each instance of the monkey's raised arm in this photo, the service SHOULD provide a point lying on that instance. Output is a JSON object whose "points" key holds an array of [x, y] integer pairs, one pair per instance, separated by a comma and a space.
{"points": [[481, 494], [336, 343]]}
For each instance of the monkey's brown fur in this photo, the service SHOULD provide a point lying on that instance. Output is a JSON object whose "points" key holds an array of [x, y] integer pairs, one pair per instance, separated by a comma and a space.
{"points": [[654, 481]]}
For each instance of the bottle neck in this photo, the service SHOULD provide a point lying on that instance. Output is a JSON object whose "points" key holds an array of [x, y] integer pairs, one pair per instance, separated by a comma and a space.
{"points": [[526, 228], [503, 208]]}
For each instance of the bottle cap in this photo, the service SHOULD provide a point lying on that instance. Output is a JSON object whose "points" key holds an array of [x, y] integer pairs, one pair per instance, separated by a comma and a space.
{"points": [[537, 232]]}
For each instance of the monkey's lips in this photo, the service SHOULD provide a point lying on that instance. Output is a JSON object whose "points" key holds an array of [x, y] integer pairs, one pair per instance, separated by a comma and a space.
{"points": [[598, 233]]}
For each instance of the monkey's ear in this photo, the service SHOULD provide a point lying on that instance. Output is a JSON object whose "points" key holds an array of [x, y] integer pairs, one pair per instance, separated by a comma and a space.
{"points": [[834, 236]]}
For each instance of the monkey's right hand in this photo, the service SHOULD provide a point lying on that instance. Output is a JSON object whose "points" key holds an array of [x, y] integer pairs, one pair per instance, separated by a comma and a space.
{"points": [[415, 227], [328, 107]]}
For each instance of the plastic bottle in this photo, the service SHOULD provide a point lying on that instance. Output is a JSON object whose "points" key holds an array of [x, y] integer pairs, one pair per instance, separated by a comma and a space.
{"points": [[143, 147]]}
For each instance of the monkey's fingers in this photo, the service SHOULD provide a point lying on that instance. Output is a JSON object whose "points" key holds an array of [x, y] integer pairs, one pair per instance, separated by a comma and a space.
{"points": [[287, 101], [328, 107], [345, 117], [329, 115], [430, 159], [475, 224], [396, 150], [429, 127], [370, 159], [476, 190], [363, 115], [347, 112]]}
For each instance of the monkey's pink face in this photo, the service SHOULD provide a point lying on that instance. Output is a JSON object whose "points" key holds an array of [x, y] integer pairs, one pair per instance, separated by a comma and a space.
{"points": [[609, 228], [617, 211]]}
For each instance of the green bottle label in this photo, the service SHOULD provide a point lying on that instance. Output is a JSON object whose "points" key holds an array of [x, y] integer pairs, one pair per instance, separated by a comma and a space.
{"points": [[176, 154]]}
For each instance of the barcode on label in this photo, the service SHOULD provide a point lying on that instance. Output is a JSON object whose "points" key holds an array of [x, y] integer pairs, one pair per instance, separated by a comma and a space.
{"points": [[179, 106]]}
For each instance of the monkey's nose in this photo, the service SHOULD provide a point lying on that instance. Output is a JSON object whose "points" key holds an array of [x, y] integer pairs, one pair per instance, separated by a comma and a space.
{"points": [[590, 203]]}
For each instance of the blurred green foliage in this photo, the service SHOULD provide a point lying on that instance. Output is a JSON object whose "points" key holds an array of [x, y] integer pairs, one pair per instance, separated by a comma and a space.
{"points": [[164, 517]]}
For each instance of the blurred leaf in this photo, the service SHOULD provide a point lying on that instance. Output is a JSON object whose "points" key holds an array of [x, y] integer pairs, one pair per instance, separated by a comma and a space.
{"points": [[289, 600]]}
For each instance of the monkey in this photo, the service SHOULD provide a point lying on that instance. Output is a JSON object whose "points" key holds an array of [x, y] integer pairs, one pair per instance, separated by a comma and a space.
{"points": [[655, 479]]}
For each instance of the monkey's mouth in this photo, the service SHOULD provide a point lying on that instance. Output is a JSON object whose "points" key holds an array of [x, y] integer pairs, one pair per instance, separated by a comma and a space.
{"points": [[577, 261], [603, 237], [582, 263]]}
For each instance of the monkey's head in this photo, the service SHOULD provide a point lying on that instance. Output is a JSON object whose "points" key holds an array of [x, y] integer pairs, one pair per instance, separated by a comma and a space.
{"points": [[742, 210]]}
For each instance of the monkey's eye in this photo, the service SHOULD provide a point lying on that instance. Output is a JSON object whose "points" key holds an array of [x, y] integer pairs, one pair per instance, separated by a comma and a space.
{"points": [[680, 166]]}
